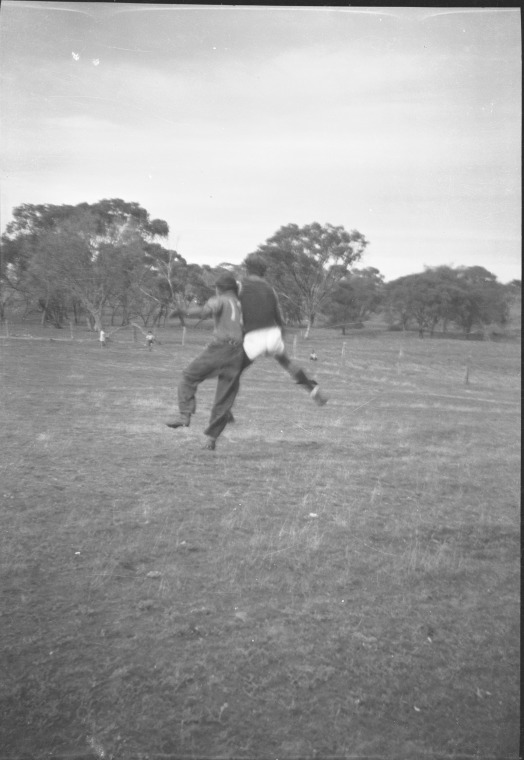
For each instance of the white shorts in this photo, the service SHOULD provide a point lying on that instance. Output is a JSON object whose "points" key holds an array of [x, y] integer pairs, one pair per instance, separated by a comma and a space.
{"points": [[265, 342]]}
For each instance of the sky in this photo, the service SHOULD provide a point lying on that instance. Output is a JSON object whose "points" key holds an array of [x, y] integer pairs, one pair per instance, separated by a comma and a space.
{"points": [[229, 122]]}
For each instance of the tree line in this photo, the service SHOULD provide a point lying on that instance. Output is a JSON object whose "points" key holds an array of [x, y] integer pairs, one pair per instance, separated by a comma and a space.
{"points": [[107, 260]]}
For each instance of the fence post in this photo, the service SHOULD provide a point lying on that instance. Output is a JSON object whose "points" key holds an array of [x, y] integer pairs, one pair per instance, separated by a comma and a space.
{"points": [[71, 329], [183, 335], [399, 361], [343, 352], [467, 369], [295, 347], [7, 328]]}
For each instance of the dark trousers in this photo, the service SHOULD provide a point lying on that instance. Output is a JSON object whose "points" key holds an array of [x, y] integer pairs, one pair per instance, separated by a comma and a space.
{"points": [[222, 360], [296, 372], [293, 369]]}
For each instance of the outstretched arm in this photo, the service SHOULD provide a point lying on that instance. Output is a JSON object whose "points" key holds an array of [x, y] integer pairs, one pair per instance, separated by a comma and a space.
{"points": [[193, 311]]}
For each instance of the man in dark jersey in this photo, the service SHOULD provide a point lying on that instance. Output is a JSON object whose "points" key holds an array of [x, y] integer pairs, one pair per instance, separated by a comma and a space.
{"points": [[222, 358], [263, 325]]}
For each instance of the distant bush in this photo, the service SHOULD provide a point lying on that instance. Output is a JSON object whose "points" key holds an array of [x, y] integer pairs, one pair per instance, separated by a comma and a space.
{"points": [[505, 337]]}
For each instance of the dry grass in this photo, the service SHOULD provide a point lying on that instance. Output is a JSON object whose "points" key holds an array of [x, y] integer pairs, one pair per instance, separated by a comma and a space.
{"points": [[330, 582]]}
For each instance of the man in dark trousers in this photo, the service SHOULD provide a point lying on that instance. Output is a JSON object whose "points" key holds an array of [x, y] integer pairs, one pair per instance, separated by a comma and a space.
{"points": [[263, 325], [222, 358]]}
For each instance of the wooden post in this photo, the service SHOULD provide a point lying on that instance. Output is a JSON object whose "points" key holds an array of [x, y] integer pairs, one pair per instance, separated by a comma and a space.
{"points": [[7, 328], [399, 361], [134, 334], [467, 369], [183, 335], [343, 352], [71, 328], [295, 347]]}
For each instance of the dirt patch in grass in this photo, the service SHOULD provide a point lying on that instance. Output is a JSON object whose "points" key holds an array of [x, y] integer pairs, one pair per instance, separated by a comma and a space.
{"points": [[328, 582]]}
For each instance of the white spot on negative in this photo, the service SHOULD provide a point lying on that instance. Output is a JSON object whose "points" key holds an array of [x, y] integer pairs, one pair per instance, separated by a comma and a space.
{"points": [[75, 56]]}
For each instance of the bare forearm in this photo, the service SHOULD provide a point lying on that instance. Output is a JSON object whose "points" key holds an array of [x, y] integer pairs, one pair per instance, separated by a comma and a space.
{"points": [[195, 311], [191, 311]]}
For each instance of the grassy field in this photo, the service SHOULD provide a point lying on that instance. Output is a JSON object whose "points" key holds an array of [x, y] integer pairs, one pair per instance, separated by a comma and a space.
{"points": [[330, 582]]}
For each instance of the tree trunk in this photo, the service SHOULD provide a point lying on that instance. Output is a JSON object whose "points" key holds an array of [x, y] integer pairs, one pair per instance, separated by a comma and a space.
{"points": [[94, 321], [177, 302], [43, 305], [98, 321], [310, 322]]}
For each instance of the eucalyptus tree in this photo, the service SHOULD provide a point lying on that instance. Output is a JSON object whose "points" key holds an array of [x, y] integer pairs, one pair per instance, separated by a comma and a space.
{"points": [[485, 301], [356, 297], [467, 296], [172, 282], [305, 264], [88, 252]]}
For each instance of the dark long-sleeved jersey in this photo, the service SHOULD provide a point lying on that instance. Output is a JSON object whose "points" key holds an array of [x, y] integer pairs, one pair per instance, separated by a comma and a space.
{"points": [[260, 307]]}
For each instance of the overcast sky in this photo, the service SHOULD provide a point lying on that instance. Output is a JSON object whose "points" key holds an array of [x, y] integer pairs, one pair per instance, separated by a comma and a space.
{"points": [[229, 122]]}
